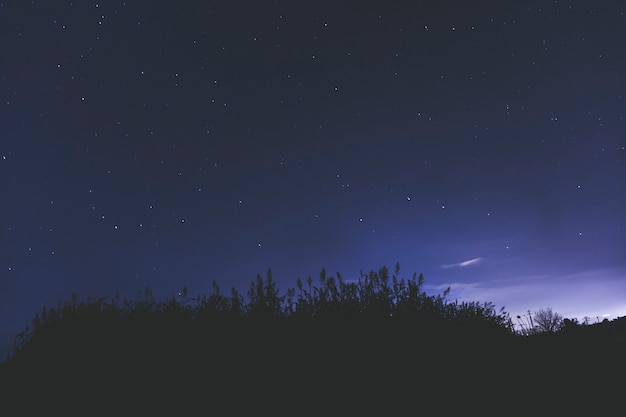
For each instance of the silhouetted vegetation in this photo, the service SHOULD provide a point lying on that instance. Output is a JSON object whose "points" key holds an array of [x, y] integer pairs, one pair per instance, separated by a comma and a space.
{"points": [[379, 341], [541, 321]]}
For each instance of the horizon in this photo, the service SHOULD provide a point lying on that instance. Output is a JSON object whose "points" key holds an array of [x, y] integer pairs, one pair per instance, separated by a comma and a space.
{"points": [[475, 291]]}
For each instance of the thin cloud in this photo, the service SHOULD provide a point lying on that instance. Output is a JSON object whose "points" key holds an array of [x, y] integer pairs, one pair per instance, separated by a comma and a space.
{"points": [[462, 264], [593, 293]]}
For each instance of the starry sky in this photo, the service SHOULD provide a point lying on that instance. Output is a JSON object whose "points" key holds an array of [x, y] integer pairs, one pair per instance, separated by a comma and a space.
{"points": [[168, 143]]}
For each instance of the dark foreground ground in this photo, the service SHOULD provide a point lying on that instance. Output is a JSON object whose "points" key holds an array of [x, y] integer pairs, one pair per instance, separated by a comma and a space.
{"points": [[350, 368]]}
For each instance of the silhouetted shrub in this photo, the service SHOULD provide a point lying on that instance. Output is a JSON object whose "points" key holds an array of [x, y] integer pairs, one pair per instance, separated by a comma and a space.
{"points": [[372, 339]]}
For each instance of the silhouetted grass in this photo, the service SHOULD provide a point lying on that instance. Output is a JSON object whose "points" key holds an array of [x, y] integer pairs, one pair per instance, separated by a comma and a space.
{"points": [[379, 343]]}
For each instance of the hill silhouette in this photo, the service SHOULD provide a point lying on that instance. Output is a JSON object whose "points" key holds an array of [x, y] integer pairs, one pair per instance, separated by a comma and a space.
{"points": [[377, 346]]}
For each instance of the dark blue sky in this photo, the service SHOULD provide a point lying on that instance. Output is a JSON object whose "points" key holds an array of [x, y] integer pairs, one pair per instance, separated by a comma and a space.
{"points": [[165, 143]]}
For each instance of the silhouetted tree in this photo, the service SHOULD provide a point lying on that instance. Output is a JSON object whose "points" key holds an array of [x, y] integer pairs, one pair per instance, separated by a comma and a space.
{"points": [[547, 321]]}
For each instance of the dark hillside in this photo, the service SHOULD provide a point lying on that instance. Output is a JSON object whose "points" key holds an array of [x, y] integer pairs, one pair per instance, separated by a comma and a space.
{"points": [[378, 346]]}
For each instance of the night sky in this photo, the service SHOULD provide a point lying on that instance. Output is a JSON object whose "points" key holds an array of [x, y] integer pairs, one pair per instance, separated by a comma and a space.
{"points": [[169, 143]]}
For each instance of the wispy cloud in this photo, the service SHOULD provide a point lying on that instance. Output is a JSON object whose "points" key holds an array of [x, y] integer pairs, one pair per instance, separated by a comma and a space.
{"points": [[593, 293], [462, 264]]}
